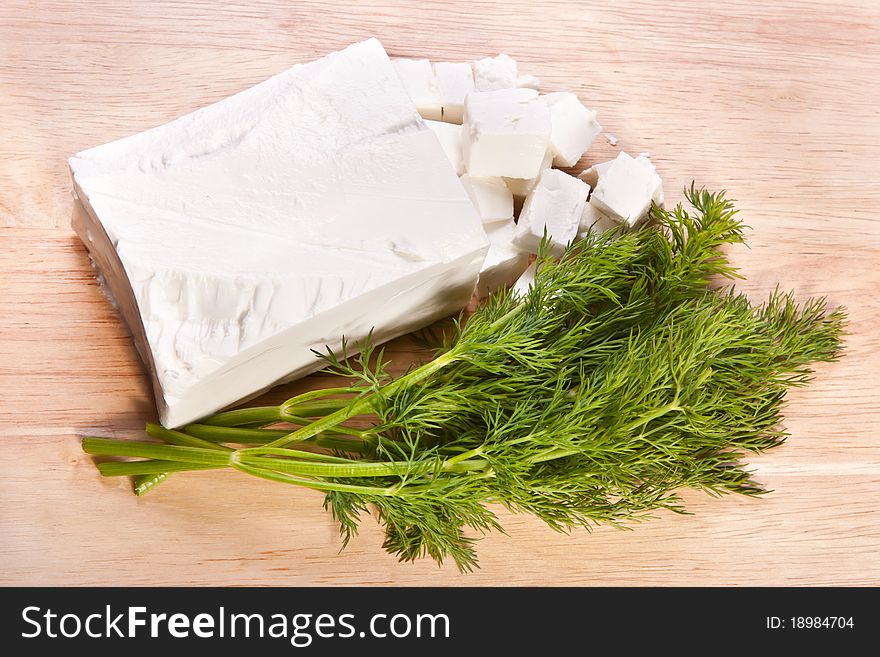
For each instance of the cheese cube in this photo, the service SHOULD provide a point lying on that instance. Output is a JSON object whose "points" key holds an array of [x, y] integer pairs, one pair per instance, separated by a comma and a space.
{"points": [[507, 133], [593, 221], [504, 262], [592, 174], [455, 80], [528, 82], [491, 73], [313, 206], [417, 76], [490, 197], [573, 128], [449, 135], [625, 191], [556, 204], [525, 282], [658, 197], [522, 187]]}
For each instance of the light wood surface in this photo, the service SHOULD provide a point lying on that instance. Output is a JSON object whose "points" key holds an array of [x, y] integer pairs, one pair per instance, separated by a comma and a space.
{"points": [[776, 102]]}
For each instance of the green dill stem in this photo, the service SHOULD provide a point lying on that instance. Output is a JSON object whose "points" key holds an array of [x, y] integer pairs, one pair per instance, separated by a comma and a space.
{"points": [[110, 447], [221, 434], [363, 405], [310, 483], [143, 484], [148, 482], [272, 414], [180, 438], [146, 468]]}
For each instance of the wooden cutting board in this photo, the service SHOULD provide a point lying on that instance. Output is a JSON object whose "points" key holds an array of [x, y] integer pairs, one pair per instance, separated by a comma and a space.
{"points": [[776, 102]]}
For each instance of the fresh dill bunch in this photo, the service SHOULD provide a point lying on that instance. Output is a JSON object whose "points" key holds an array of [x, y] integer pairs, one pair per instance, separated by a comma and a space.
{"points": [[625, 374]]}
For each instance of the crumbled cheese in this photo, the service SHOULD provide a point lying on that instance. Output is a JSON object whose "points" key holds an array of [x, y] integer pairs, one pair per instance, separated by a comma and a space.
{"points": [[573, 128], [507, 133], [492, 73], [504, 262], [449, 135], [611, 139], [490, 197], [556, 204], [417, 76], [455, 80], [528, 82], [238, 238]]}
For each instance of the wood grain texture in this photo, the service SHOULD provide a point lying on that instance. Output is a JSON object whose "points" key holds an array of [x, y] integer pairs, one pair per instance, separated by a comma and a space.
{"points": [[776, 102]]}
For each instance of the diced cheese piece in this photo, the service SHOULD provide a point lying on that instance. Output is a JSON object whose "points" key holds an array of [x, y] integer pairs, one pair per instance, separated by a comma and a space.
{"points": [[490, 197], [592, 174], [238, 238], [417, 76], [449, 135], [525, 282], [491, 73], [506, 133], [624, 192], [455, 80], [528, 82], [556, 204], [504, 262], [593, 221], [522, 187], [658, 197], [573, 128]]}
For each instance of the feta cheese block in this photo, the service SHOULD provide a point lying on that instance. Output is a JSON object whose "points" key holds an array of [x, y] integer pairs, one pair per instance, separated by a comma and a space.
{"points": [[455, 80], [593, 221], [417, 76], [625, 190], [490, 197], [506, 133], [573, 128], [504, 262], [449, 135], [491, 73], [556, 204], [312, 206]]}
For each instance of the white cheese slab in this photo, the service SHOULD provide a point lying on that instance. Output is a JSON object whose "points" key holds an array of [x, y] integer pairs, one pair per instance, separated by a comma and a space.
{"points": [[504, 262], [312, 206], [555, 205]]}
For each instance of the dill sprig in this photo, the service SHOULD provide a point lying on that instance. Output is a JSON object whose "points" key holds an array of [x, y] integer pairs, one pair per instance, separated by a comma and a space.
{"points": [[624, 375]]}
